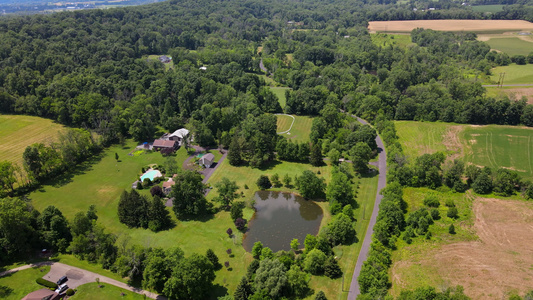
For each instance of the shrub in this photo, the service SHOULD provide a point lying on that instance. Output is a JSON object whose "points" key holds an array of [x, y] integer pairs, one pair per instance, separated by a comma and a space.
{"points": [[236, 210], [431, 201], [450, 203], [435, 214], [229, 232], [139, 185], [263, 182], [46, 283], [256, 249], [147, 182], [314, 262], [275, 180], [157, 191], [240, 223], [213, 258], [451, 229], [452, 213], [70, 292], [332, 269]]}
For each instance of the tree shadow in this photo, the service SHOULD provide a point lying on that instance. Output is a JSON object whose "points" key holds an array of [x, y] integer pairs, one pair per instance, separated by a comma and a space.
{"points": [[371, 173], [218, 291], [269, 165], [5, 291], [67, 176]]}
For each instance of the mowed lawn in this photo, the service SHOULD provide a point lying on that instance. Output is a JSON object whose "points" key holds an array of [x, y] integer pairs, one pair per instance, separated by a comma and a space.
{"points": [[169, 65], [19, 131], [511, 45], [300, 129], [514, 74], [499, 146], [91, 291], [280, 93], [16, 285], [101, 183]]}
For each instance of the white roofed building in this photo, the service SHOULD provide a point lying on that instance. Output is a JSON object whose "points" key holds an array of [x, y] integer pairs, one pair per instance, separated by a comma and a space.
{"points": [[179, 135]]}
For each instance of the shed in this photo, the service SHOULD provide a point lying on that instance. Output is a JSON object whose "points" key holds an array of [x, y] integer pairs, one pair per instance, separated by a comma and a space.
{"points": [[207, 160], [165, 59]]}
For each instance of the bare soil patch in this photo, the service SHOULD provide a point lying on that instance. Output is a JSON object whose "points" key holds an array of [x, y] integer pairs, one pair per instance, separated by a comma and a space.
{"points": [[451, 25], [518, 93], [452, 142], [499, 262]]}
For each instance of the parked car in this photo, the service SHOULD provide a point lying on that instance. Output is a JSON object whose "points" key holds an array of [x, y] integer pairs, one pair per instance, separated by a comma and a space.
{"points": [[62, 280], [62, 288]]}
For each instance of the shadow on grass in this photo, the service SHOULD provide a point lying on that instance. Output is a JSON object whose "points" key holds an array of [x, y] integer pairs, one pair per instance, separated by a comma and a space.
{"points": [[218, 291], [68, 176], [5, 291]]}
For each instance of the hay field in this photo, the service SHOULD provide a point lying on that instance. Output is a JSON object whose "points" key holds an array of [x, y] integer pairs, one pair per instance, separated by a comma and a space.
{"points": [[451, 25], [494, 146], [512, 45], [18, 131]]}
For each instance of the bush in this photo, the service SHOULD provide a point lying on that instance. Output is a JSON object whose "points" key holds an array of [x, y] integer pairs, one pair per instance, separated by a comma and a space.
{"points": [[332, 269], [435, 214], [236, 210], [451, 229], [157, 191], [70, 292], [46, 283], [147, 182], [263, 182], [139, 185], [453, 213], [240, 223], [431, 201], [314, 262]]}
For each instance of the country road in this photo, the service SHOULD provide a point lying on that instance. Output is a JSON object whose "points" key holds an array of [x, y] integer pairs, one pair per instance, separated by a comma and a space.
{"points": [[509, 85], [382, 182]]}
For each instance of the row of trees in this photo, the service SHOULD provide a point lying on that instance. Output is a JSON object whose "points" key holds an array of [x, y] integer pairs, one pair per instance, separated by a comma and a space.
{"points": [[136, 210]]}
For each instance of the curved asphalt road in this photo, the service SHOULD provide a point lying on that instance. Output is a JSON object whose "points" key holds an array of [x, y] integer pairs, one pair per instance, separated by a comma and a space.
{"points": [[382, 181]]}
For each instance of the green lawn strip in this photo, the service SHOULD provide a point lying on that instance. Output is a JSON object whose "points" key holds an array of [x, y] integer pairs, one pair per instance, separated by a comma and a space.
{"points": [[71, 260], [280, 93], [284, 123], [487, 8], [91, 291], [301, 129], [419, 138], [511, 45], [417, 274], [16, 285], [514, 74], [499, 146], [15, 128]]}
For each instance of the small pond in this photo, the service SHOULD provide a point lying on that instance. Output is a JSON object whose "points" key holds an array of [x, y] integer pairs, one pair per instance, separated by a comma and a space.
{"points": [[280, 218]]}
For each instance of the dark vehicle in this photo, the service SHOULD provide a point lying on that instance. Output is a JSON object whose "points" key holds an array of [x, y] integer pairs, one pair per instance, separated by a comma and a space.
{"points": [[62, 280]]}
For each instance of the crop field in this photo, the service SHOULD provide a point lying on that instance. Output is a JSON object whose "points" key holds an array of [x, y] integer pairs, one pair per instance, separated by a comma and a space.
{"points": [[384, 40], [489, 256], [300, 129], [515, 93], [499, 146], [494, 146], [20, 131], [511, 45], [16, 285], [451, 25], [514, 74]]}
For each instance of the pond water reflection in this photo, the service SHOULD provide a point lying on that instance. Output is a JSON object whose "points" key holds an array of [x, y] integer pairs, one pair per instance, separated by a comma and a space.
{"points": [[281, 217]]}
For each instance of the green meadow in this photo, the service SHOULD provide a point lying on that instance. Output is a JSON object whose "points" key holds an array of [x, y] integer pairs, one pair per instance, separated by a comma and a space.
{"points": [[384, 39], [419, 138], [301, 129], [514, 74], [90, 291], [511, 45], [280, 93]]}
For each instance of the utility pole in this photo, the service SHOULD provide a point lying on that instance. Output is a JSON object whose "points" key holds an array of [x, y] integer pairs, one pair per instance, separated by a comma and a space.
{"points": [[500, 81]]}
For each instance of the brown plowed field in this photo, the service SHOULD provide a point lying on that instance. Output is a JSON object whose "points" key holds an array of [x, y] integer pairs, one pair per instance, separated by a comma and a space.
{"points": [[451, 25], [499, 263]]}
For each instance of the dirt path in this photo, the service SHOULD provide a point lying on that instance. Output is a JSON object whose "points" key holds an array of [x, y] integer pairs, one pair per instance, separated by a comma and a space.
{"points": [[365, 247], [77, 277]]}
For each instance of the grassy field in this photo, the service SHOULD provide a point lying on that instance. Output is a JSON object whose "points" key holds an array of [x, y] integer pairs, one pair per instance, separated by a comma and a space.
{"points": [[22, 131], [514, 74], [494, 146], [512, 92], [407, 271], [419, 138], [17, 285], [487, 8], [92, 291], [300, 129], [280, 93], [499, 146], [511, 45], [384, 40], [481, 26]]}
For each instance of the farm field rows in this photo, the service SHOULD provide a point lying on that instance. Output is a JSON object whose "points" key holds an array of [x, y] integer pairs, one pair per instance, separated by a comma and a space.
{"points": [[19, 131], [494, 146], [512, 92], [451, 25]]}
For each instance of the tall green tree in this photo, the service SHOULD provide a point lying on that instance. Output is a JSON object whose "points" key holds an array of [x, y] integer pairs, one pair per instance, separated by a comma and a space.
{"points": [[340, 189], [271, 276], [189, 195], [360, 156], [191, 279], [226, 191], [16, 232], [310, 185]]}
